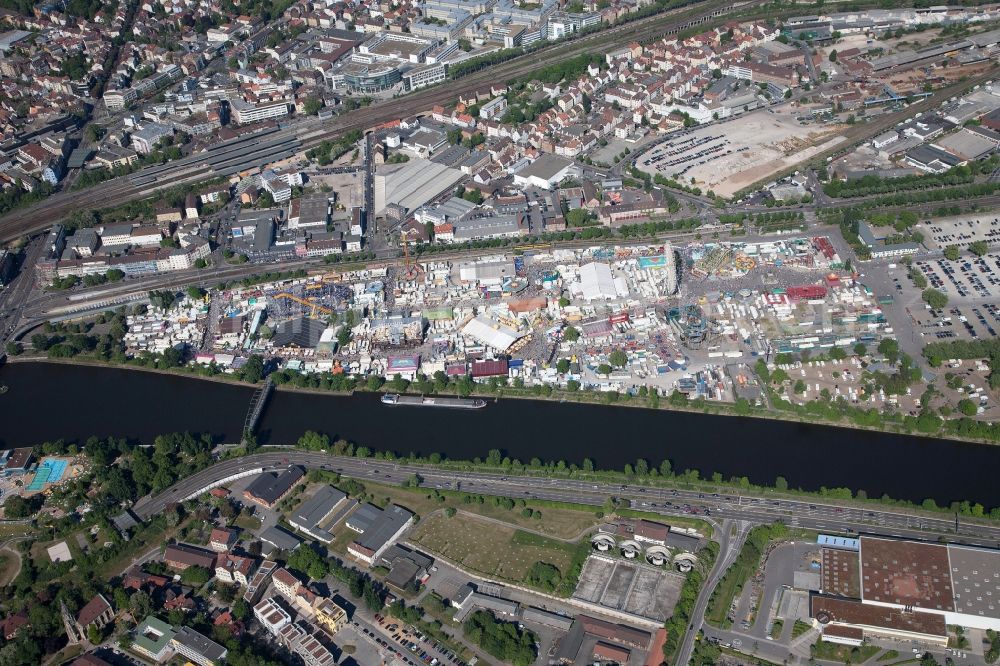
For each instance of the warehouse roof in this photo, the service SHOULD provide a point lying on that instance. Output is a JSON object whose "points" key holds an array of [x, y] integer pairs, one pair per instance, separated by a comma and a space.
{"points": [[841, 572], [966, 144], [545, 167], [413, 184], [363, 517], [482, 226], [313, 512], [387, 523], [848, 611], [279, 538], [271, 486], [907, 573], [975, 580]]}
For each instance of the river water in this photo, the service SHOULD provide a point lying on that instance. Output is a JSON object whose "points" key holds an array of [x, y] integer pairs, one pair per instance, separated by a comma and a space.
{"points": [[52, 401]]}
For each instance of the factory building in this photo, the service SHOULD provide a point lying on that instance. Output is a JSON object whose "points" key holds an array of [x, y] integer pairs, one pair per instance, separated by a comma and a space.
{"points": [[905, 590]]}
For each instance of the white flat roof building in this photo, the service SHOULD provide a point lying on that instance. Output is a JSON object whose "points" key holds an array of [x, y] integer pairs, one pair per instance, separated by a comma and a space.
{"points": [[491, 333], [598, 283], [545, 172]]}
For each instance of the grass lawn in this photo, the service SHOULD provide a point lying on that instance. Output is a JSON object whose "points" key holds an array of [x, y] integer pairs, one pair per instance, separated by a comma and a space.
{"points": [[245, 522], [560, 521], [844, 654], [9, 566], [776, 629], [800, 628], [729, 587], [145, 539], [342, 538], [888, 655], [8, 530], [488, 548]]}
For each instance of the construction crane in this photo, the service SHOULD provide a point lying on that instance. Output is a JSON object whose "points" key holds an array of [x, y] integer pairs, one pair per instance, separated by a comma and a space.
{"points": [[316, 307], [410, 269]]}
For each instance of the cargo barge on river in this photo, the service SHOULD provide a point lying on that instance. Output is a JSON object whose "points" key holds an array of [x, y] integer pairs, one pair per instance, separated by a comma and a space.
{"points": [[425, 401]]}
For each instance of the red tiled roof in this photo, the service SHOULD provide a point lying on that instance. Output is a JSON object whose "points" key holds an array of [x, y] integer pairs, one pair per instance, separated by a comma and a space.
{"points": [[93, 610]]}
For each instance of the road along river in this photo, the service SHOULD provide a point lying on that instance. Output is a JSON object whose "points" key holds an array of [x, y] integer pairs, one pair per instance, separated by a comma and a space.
{"points": [[48, 401]]}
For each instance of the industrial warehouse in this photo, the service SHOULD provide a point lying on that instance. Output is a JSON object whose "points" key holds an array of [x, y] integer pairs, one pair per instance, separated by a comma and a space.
{"points": [[908, 590]]}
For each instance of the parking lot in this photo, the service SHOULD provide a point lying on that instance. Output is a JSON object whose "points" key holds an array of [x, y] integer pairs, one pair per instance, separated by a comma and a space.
{"points": [[966, 278], [963, 230], [408, 645], [727, 156], [958, 322]]}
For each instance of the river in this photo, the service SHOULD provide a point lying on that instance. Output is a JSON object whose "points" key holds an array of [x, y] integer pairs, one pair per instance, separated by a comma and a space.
{"points": [[51, 401]]}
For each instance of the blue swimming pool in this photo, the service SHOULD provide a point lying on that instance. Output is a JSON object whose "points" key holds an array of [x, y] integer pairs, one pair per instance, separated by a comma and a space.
{"points": [[50, 470]]}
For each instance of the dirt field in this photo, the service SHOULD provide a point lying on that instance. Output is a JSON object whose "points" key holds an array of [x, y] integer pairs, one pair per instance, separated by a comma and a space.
{"points": [[561, 523], [348, 187], [742, 151], [486, 547]]}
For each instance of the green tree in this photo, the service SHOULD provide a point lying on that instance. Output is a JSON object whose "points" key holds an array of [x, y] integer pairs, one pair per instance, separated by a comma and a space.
{"points": [[979, 247], [17, 507], [934, 298], [240, 609], [571, 334], [951, 252], [196, 576], [968, 407], [578, 217], [562, 366], [253, 370], [312, 106], [889, 348], [141, 604], [618, 358], [162, 299]]}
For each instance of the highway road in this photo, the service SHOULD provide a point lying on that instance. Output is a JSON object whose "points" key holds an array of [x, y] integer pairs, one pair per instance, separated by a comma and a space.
{"points": [[804, 513], [738, 512]]}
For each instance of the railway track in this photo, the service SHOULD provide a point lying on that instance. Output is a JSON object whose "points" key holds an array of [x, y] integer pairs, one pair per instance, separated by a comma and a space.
{"points": [[45, 306], [45, 213]]}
